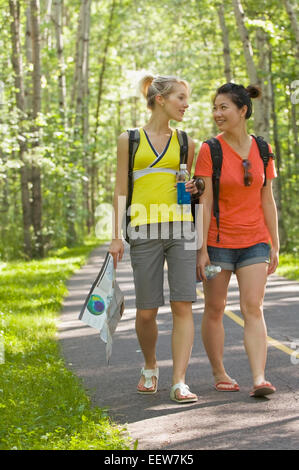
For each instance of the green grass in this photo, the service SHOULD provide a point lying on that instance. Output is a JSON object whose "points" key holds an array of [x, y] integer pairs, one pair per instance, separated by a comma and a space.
{"points": [[288, 266], [42, 404]]}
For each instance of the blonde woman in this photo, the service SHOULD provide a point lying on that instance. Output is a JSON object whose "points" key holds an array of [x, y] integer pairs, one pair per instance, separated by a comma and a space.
{"points": [[167, 99]]}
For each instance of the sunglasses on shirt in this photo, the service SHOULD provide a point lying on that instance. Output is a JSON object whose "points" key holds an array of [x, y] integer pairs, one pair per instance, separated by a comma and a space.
{"points": [[247, 175]]}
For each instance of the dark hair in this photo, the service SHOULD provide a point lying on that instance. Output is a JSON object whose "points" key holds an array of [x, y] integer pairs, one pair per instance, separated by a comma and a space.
{"points": [[239, 95]]}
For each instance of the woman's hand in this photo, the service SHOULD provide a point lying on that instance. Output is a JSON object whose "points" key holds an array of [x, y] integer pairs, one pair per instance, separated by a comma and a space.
{"points": [[202, 261], [274, 258], [116, 249], [191, 187]]}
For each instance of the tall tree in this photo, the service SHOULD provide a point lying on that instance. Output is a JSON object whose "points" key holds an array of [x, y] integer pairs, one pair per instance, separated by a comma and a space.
{"points": [[260, 123], [264, 78], [93, 165], [295, 27], [36, 171], [292, 15], [17, 62], [277, 147], [225, 41], [57, 19]]}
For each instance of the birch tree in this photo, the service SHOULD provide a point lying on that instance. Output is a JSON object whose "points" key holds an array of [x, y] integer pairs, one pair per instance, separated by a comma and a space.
{"points": [[277, 151], [81, 71], [264, 78], [260, 124], [295, 27], [57, 19], [93, 165], [36, 102], [293, 19], [225, 41], [17, 62]]}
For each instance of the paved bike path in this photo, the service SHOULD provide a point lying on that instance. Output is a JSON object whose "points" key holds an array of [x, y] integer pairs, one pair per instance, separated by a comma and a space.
{"points": [[217, 420]]}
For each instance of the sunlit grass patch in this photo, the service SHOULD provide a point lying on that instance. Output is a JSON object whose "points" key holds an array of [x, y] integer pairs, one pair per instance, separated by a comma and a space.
{"points": [[42, 404], [288, 266]]}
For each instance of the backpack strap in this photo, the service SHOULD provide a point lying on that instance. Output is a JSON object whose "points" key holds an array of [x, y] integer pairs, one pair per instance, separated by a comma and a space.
{"points": [[183, 141], [265, 154], [134, 140], [216, 156]]}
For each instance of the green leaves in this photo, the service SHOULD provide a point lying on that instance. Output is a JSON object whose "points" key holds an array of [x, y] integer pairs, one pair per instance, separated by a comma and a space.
{"points": [[180, 37]]}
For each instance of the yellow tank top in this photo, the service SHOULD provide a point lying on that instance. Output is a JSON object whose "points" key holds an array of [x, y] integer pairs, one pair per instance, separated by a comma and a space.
{"points": [[154, 196]]}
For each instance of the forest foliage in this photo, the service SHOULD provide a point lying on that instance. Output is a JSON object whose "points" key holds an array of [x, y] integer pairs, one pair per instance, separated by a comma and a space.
{"points": [[68, 87]]}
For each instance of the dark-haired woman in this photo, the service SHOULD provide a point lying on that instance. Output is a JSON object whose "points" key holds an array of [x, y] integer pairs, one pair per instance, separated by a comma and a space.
{"points": [[246, 242]]}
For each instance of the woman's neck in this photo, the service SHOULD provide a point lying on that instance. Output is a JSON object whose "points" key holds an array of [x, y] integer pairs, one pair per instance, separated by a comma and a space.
{"points": [[237, 136], [158, 124]]}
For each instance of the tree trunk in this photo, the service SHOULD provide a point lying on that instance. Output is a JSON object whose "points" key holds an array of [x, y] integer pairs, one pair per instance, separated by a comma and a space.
{"points": [[93, 166], [295, 27], [295, 132], [225, 41], [27, 77], [80, 115], [57, 19], [82, 62], [77, 64], [85, 117], [264, 80], [36, 173], [17, 63], [277, 186], [259, 122]]}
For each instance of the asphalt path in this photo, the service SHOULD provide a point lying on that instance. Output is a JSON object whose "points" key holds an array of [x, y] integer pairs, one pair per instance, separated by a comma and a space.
{"points": [[219, 420]]}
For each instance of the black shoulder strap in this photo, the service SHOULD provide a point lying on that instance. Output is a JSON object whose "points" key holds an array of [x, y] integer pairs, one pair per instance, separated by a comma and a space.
{"points": [[134, 140], [183, 141], [264, 152], [216, 156]]}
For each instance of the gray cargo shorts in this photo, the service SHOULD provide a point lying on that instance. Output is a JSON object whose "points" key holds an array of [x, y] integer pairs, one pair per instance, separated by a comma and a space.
{"points": [[148, 258]]}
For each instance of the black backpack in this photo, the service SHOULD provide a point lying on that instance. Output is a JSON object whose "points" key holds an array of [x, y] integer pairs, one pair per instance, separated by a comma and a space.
{"points": [[216, 155], [134, 139]]}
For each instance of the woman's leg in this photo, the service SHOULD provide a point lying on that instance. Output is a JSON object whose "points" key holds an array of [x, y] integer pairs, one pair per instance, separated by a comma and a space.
{"points": [[215, 291], [147, 333], [182, 339], [252, 282], [182, 342]]}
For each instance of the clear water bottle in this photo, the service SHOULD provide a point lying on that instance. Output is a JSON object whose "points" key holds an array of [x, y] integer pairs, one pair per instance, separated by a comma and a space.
{"points": [[211, 271], [182, 177]]}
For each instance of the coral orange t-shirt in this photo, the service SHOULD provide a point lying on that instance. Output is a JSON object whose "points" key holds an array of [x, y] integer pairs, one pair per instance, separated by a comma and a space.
{"points": [[241, 220]]}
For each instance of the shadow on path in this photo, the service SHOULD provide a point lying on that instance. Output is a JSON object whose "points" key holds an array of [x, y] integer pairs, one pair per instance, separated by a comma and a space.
{"points": [[217, 420]]}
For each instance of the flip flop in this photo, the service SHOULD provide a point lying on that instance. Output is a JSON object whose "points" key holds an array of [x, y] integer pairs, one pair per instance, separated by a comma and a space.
{"points": [[262, 390], [227, 386]]}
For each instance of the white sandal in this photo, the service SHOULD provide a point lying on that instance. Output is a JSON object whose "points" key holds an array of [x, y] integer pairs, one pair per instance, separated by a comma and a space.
{"points": [[184, 392], [148, 375]]}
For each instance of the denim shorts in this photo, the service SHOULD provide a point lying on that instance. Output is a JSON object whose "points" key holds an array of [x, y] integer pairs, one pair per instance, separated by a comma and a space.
{"points": [[232, 259]]}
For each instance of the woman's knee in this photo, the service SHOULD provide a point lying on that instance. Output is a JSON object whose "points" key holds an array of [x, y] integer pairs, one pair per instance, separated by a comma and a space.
{"points": [[181, 309], [252, 308], [214, 310], [147, 315]]}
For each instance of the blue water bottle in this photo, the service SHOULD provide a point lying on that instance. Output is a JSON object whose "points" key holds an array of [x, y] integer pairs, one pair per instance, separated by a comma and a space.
{"points": [[182, 177]]}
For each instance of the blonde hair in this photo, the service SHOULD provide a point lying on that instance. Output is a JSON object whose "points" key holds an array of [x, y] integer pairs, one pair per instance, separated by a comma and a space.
{"points": [[151, 86]]}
